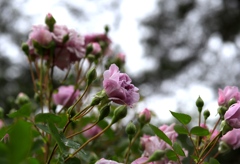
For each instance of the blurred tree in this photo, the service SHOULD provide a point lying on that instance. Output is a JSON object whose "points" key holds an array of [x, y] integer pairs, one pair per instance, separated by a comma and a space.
{"points": [[13, 77], [193, 41]]}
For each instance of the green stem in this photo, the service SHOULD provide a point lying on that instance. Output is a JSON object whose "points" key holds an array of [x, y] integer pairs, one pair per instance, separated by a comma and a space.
{"points": [[213, 143], [83, 145], [72, 135], [130, 145]]}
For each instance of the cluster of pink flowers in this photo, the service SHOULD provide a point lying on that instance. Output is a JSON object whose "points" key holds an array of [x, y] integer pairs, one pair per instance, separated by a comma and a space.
{"points": [[153, 143], [232, 115], [62, 45], [228, 93], [68, 45]]}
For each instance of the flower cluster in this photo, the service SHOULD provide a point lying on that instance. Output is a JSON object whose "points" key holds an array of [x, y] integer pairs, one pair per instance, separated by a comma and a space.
{"points": [[76, 113]]}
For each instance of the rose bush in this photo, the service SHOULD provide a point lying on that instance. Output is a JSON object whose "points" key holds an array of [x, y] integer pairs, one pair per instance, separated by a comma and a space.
{"points": [[89, 128]]}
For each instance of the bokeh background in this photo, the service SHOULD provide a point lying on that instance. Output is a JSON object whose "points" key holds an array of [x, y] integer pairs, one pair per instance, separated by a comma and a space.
{"points": [[175, 50]]}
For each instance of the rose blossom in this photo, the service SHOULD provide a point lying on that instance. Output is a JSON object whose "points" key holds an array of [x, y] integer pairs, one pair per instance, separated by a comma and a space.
{"points": [[232, 115], [153, 143], [65, 96], [169, 131], [118, 87], [141, 160], [70, 51], [227, 94], [105, 161], [91, 132], [96, 38], [232, 138], [40, 34]]}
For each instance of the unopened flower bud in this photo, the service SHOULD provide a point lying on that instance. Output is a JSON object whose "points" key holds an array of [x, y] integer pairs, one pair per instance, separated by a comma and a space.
{"points": [[89, 49], [206, 114], [199, 104], [224, 127], [144, 117], [221, 111], [98, 98], [50, 21], [104, 112], [106, 28], [231, 101], [223, 147], [25, 48], [22, 99], [91, 76], [156, 156], [119, 113], [130, 130]]}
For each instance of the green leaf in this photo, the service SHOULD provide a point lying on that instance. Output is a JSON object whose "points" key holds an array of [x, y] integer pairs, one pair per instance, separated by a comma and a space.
{"points": [[180, 129], [181, 117], [69, 143], [47, 117], [20, 141], [199, 131], [24, 111], [160, 134], [31, 160], [56, 136], [178, 149], [43, 127], [171, 155], [213, 161]]}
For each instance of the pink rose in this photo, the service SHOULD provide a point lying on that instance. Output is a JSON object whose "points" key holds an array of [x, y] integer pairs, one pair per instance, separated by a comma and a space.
{"points": [[91, 132], [96, 38], [227, 94], [118, 87], [151, 144], [70, 51], [39, 34], [232, 138], [65, 96], [105, 161], [141, 160], [232, 115], [169, 131]]}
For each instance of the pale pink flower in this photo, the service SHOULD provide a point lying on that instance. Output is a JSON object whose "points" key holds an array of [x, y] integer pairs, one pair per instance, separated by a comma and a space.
{"points": [[227, 94], [70, 51], [96, 38], [232, 115], [118, 87], [65, 96], [232, 138], [169, 131], [39, 34]]}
